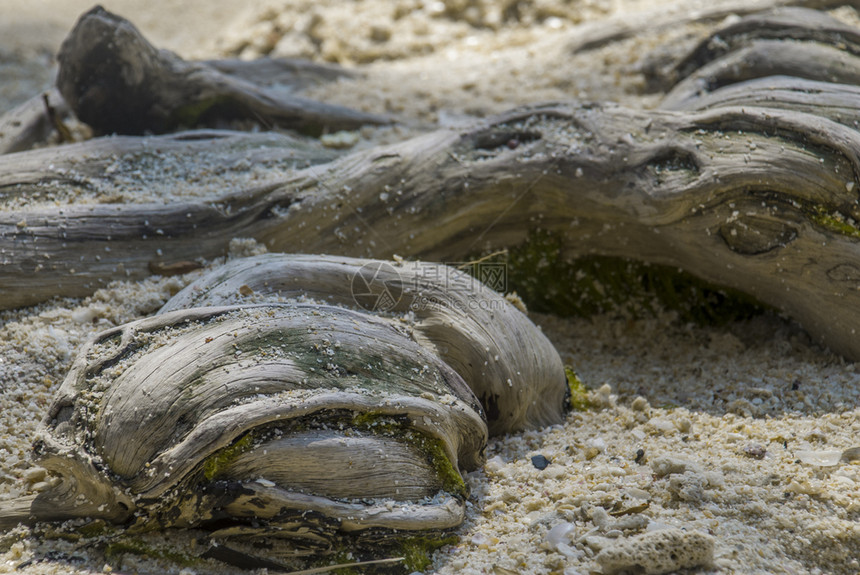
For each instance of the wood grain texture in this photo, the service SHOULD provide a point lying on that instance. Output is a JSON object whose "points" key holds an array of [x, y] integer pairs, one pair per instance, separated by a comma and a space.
{"points": [[175, 418], [762, 200], [510, 366]]}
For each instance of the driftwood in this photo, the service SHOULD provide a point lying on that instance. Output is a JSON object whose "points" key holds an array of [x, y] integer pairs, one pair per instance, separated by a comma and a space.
{"points": [[117, 82], [153, 421], [300, 422], [792, 42], [626, 25], [32, 122], [783, 25], [837, 102], [284, 73], [467, 324], [760, 200], [124, 168], [744, 180]]}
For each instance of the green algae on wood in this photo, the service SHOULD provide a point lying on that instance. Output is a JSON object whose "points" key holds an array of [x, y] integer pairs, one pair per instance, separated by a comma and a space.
{"points": [[433, 448], [834, 221], [578, 391], [590, 285], [217, 462]]}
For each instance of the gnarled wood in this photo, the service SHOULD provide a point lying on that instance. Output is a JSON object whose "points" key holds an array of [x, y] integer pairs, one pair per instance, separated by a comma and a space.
{"points": [[790, 24], [467, 324], [284, 73], [117, 82], [760, 200], [792, 42], [120, 169], [213, 415], [626, 25], [837, 102]]}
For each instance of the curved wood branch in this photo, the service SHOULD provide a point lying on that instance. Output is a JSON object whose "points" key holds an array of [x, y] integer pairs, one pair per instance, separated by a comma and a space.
{"points": [[791, 24], [292, 73], [768, 58], [794, 42], [467, 324], [590, 36], [117, 82], [760, 200], [133, 169], [837, 102]]}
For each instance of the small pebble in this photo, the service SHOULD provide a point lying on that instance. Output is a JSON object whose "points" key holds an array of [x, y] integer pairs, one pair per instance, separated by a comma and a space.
{"points": [[340, 140], [669, 464], [640, 404], [755, 451], [819, 458], [540, 462], [852, 454], [600, 518]]}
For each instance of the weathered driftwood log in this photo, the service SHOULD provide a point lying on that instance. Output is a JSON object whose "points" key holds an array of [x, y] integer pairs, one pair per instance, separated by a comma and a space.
{"points": [[782, 24], [510, 366], [121, 169], [757, 199], [117, 82], [284, 73], [301, 422], [590, 36], [264, 412], [789, 42]]}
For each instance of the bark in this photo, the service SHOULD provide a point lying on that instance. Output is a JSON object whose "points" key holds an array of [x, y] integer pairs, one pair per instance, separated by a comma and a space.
{"points": [[117, 82]]}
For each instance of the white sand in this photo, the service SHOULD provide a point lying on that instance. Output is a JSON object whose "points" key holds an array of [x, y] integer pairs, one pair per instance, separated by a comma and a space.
{"points": [[735, 424]]}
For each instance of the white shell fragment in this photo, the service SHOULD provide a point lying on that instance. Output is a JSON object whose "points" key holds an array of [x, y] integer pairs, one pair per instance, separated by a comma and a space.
{"points": [[822, 458], [657, 552]]}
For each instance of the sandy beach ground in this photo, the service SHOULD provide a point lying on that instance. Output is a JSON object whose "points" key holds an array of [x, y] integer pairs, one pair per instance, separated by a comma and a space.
{"points": [[735, 432]]}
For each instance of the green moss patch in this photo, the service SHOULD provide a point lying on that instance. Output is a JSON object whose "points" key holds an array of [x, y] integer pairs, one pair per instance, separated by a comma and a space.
{"points": [[834, 222], [578, 391], [593, 285], [114, 551], [432, 447], [213, 466], [416, 551]]}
